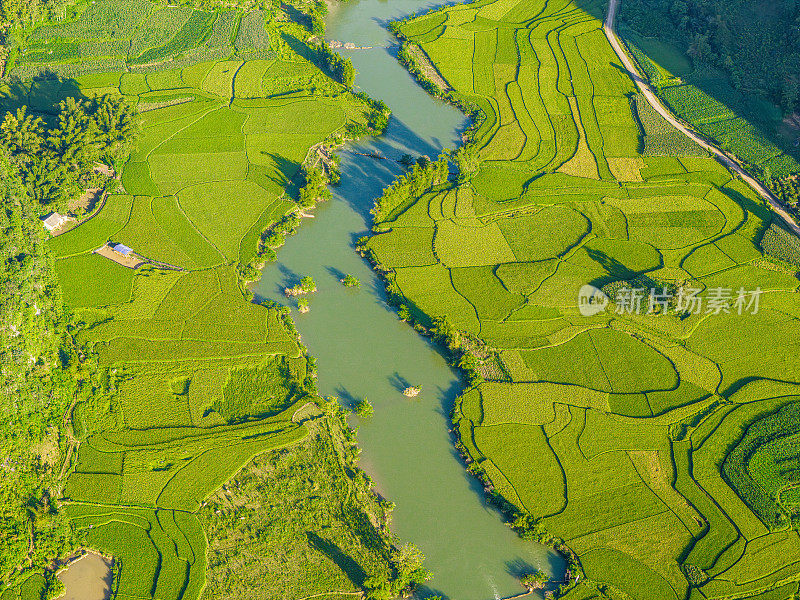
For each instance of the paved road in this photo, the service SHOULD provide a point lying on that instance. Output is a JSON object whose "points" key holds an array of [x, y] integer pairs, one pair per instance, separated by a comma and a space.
{"points": [[647, 91]]}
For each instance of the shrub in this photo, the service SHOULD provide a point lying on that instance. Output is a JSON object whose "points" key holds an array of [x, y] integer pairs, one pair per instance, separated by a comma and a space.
{"points": [[780, 244], [364, 408], [338, 68], [351, 281]]}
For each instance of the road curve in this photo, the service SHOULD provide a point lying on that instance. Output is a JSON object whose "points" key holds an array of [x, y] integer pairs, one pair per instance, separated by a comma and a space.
{"points": [[644, 87]]}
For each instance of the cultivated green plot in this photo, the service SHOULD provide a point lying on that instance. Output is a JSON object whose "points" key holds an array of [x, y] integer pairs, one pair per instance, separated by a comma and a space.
{"points": [[89, 281], [614, 431], [525, 234], [604, 360], [191, 379], [470, 246], [224, 211]]}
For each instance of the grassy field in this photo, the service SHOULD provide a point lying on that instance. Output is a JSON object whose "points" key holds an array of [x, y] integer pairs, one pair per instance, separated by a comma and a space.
{"points": [[656, 444], [279, 528], [196, 379]]}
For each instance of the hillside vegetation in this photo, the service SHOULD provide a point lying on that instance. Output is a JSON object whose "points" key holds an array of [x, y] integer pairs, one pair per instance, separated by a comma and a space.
{"points": [[38, 379], [657, 449], [731, 70], [190, 380]]}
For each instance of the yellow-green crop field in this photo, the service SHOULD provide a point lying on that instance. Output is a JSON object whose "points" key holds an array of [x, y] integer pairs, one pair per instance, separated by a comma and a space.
{"points": [[661, 449], [198, 380]]}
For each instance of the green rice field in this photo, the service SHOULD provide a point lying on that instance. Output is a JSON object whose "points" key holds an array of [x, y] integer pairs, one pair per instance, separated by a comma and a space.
{"points": [[658, 448], [197, 379]]}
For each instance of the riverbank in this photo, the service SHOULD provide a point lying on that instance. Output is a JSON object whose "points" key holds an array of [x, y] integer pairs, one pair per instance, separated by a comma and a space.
{"points": [[585, 434], [364, 351]]}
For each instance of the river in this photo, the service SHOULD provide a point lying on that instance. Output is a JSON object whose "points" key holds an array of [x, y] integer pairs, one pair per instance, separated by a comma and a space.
{"points": [[363, 350]]}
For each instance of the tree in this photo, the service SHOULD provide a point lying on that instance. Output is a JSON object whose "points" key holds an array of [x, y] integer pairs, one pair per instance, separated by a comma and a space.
{"points": [[535, 580], [350, 281], [37, 381], [364, 408], [789, 96], [338, 68], [315, 187], [445, 332], [22, 134], [307, 284], [403, 313], [410, 573], [467, 161], [378, 117], [406, 160], [56, 163]]}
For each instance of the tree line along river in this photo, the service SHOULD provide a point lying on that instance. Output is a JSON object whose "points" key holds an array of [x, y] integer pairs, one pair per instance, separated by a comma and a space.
{"points": [[363, 350]]}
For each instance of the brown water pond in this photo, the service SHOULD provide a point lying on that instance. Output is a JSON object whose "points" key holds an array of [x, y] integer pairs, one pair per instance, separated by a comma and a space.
{"points": [[87, 578]]}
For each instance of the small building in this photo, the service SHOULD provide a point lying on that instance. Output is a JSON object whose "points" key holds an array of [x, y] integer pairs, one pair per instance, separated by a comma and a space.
{"points": [[53, 221], [122, 249]]}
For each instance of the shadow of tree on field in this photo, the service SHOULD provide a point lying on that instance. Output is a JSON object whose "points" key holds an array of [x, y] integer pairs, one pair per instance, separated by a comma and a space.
{"points": [[41, 95], [615, 269], [625, 71], [299, 46], [282, 171], [342, 560], [297, 16], [759, 210]]}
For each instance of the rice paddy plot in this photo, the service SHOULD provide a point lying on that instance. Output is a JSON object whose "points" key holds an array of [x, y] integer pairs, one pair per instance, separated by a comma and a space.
{"points": [[611, 396], [459, 246], [89, 281], [224, 211], [525, 233], [394, 250]]}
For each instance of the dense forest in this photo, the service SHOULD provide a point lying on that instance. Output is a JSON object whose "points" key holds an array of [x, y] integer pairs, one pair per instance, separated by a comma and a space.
{"points": [[58, 161], [38, 381], [756, 42]]}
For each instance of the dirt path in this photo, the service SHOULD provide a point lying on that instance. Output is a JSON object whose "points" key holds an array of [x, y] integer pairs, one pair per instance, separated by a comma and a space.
{"points": [[72, 441], [644, 87]]}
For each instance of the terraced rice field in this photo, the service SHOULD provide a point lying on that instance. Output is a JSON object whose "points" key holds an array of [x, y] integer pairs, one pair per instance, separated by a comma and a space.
{"points": [[197, 379], [659, 448]]}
